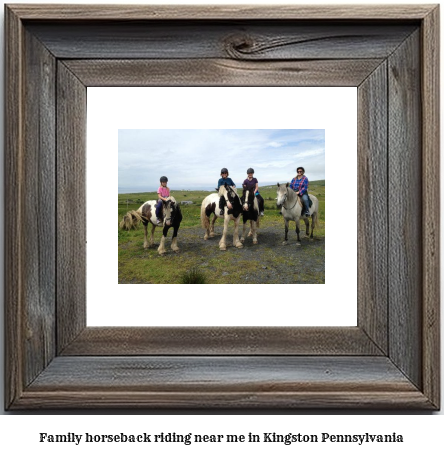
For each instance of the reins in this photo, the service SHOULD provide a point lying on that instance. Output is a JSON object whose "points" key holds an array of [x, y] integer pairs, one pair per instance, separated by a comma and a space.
{"points": [[283, 205]]}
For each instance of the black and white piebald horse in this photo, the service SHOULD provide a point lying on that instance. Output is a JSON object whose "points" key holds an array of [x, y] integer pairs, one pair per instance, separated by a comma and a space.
{"points": [[292, 210], [210, 205], [172, 216], [250, 213]]}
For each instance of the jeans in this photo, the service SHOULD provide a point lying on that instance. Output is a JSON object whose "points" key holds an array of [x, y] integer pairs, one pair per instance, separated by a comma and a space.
{"points": [[306, 203], [159, 209]]}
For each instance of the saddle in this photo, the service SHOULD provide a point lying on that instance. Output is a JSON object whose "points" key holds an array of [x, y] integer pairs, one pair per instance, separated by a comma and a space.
{"points": [[310, 202]]}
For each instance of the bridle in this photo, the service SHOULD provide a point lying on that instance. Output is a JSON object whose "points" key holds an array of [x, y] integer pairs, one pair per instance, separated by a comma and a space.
{"points": [[246, 200], [172, 212], [283, 204], [230, 196]]}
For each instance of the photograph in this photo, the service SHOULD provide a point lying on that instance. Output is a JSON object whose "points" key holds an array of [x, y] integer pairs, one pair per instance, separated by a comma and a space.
{"points": [[230, 206]]}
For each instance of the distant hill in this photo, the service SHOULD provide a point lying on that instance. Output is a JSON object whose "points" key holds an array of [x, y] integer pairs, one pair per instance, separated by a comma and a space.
{"points": [[266, 185]]}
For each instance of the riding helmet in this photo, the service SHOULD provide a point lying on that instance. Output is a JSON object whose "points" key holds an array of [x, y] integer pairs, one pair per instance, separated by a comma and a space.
{"points": [[224, 170], [300, 167], [164, 179], [250, 170]]}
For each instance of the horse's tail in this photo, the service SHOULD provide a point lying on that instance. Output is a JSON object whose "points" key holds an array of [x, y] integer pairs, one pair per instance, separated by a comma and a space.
{"points": [[130, 221], [205, 221], [315, 220], [315, 214]]}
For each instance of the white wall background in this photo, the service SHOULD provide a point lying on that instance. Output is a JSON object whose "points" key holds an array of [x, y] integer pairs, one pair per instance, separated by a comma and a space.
{"points": [[20, 433]]}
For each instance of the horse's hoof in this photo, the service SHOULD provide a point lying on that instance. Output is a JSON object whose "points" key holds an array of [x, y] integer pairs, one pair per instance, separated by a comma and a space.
{"points": [[222, 248], [255, 242], [212, 235], [205, 238], [285, 243], [242, 240], [240, 246]]}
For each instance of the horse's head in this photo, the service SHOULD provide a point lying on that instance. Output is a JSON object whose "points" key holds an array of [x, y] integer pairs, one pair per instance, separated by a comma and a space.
{"points": [[231, 192], [247, 198], [169, 211], [282, 194]]}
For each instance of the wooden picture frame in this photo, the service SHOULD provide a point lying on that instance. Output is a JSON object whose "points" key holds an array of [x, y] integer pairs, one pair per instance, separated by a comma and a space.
{"points": [[389, 360]]}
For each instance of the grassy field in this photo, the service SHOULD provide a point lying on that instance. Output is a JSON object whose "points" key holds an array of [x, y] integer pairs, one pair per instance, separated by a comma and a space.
{"points": [[137, 265]]}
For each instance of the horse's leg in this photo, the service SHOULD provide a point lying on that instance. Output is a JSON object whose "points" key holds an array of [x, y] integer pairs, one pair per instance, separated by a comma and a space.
{"points": [[174, 245], [207, 227], [152, 236], [313, 223], [145, 235], [254, 231], [297, 232], [236, 240], [222, 242], [286, 232], [161, 248], [307, 225], [244, 228], [212, 225]]}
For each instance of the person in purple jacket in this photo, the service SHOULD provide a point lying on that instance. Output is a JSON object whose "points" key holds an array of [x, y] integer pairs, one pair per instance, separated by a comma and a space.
{"points": [[300, 185], [252, 183]]}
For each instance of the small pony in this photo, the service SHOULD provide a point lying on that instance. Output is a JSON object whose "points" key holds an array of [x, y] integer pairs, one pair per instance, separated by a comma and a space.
{"points": [[172, 217]]}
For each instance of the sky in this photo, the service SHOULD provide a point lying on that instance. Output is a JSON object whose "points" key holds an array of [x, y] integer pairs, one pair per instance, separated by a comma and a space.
{"points": [[192, 159]]}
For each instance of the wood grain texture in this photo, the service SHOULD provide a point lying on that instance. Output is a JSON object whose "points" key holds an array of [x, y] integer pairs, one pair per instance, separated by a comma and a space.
{"points": [[373, 198], [71, 206], [221, 72], [38, 222], [233, 382], [405, 209], [13, 207], [127, 341], [236, 40], [430, 94], [220, 12]]}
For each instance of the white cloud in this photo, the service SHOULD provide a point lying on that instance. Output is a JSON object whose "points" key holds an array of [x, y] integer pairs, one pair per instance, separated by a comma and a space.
{"points": [[194, 158]]}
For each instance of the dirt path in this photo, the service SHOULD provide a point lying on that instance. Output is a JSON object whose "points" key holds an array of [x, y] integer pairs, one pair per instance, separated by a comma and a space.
{"points": [[267, 262]]}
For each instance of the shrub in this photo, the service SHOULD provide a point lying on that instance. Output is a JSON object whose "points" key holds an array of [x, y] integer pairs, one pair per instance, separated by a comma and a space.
{"points": [[193, 276]]}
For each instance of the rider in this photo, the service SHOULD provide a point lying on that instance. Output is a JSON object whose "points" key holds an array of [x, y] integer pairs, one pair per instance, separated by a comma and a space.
{"points": [[300, 185], [252, 183], [222, 181], [163, 192]]}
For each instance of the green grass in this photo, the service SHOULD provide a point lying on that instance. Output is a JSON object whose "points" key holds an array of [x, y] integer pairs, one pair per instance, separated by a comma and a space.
{"points": [[137, 265], [194, 275]]}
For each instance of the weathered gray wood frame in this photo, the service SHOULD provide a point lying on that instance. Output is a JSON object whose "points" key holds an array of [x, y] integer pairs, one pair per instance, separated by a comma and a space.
{"points": [[390, 360]]}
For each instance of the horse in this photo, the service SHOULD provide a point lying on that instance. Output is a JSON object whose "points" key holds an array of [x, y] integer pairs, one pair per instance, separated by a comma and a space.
{"points": [[210, 205], [172, 217], [292, 210], [250, 212]]}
